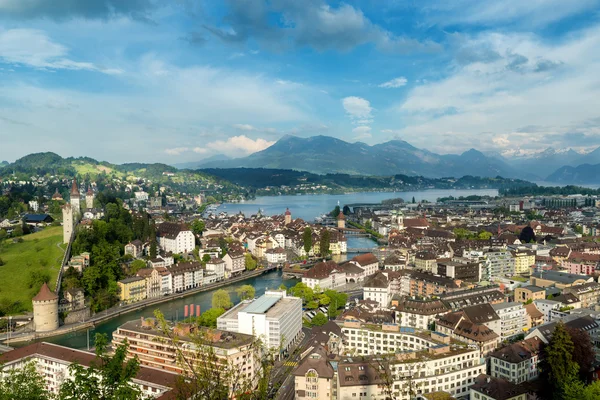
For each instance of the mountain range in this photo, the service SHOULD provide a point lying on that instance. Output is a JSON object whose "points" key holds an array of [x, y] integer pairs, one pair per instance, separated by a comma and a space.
{"points": [[325, 154]]}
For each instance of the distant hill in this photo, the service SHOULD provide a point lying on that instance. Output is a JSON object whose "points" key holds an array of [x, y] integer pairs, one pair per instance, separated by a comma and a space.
{"points": [[582, 174], [324, 154], [200, 163]]}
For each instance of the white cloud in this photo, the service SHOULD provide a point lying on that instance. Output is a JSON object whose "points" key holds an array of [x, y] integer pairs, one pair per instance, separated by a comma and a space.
{"points": [[362, 132], [394, 83], [553, 86], [200, 150], [239, 145], [244, 127], [33, 48], [357, 108], [176, 151]]}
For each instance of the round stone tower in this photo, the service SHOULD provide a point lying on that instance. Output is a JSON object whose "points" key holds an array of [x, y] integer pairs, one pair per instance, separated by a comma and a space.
{"points": [[341, 220], [288, 216], [45, 310]]}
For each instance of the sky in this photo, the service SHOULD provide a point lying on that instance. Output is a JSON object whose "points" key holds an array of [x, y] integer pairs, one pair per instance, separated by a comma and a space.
{"points": [[183, 80]]}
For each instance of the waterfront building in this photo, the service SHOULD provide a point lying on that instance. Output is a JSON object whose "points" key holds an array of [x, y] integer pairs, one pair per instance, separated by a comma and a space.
{"points": [[368, 262], [186, 275], [276, 255], [175, 238], [153, 281], [53, 362], [235, 262], [274, 317], [132, 289], [325, 275], [45, 310], [216, 267]]}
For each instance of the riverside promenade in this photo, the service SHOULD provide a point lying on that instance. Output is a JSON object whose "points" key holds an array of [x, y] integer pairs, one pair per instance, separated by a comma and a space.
{"points": [[103, 316]]}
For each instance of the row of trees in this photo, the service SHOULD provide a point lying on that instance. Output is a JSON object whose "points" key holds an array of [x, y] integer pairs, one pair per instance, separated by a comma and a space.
{"points": [[313, 299], [324, 241]]}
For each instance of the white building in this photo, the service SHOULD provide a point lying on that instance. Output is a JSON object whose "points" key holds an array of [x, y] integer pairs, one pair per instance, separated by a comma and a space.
{"points": [[275, 317], [418, 314], [216, 266], [546, 307], [276, 255], [185, 276], [513, 319], [141, 196], [53, 362], [368, 262], [377, 288], [325, 275], [235, 263], [175, 238]]}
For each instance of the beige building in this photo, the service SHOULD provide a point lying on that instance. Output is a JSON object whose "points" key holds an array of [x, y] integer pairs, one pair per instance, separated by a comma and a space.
{"points": [[45, 310], [234, 353], [314, 377], [132, 289], [526, 293], [524, 259]]}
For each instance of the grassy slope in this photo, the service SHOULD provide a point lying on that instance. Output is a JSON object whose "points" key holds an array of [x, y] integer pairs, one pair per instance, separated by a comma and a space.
{"points": [[22, 258]]}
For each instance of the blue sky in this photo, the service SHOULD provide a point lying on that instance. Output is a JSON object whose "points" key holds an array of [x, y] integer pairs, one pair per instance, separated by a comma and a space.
{"points": [[148, 80]]}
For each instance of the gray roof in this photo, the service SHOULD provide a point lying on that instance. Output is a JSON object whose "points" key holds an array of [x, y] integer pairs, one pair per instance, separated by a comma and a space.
{"points": [[561, 277]]}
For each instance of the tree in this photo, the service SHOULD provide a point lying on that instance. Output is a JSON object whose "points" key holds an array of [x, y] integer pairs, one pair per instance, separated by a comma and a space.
{"points": [[335, 212], [198, 226], [307, 239], [209, 318], [324, 299], [283, 287], [206, 258], [527, 235], [324, 242], [250, 262], [302, 291], [558, 367], [246, 292], [3, 234], [221, 299], [345, 210], [319, 320], [109, 377], [153, 250], [136, 265], [312, 305], [23, 383], [413, 200], [484, 235], [583, 352]]}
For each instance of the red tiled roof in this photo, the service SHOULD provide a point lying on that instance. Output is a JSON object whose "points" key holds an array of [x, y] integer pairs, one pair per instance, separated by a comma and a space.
{"points": [[45, 294]]}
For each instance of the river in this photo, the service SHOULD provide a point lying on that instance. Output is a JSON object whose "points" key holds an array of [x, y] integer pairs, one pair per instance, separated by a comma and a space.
{"points": [[309, 206], [306, 207]]}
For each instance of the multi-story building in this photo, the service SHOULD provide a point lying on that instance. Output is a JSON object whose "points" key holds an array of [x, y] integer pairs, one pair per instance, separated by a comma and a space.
{"points": [[425, 260], [524, 259], [581, 263], [513, 319], [235, 262], [425, 284], [325, 275], [275, 317], [441, 368], [134, 248], [560, 280], [588, 293], [458, 269], [53, 362], [186, 276], [216, 266], [420, 314], [276, 255], [531, 292], [314, 377], [153, 281], [517, 362], [132, 289], [488, 388], [377, 288], [175, 238], [368, 262], [546, 307], [498, 263], [234, 353]]}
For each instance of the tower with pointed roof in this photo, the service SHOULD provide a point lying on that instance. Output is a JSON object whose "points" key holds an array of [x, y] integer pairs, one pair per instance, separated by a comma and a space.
{"points": [[341, 220], [288, 216], [45, 310], [75, 196], [89, 198], [68, 222]]}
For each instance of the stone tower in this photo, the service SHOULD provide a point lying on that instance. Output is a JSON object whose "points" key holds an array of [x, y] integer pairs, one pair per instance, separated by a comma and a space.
{"points": [[45, 310], [341, 220], [288, 216], [68, 222], [89, 198], [400, 220], [75, 196]]}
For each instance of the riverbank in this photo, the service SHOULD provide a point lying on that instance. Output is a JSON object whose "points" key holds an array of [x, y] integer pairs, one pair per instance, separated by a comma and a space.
{"points": [[115, 312]]}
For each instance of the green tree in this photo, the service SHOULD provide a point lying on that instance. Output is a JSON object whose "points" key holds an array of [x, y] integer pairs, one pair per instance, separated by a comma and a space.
{"points": [[335, 212], [337, 301], [462, 233], [250, 262], [109, 377], [559, 369], [319, 320], [283, 287], [583, 352], [246, 292], [324, 242], [345, 210], [484, 235], [198, 226], [307, 239], [302, 291], [413, 200], [324, 299], [206, 258], [136, 265], [221, 299], [209, 317], [23, 383], [3, 234], [312, 305]]}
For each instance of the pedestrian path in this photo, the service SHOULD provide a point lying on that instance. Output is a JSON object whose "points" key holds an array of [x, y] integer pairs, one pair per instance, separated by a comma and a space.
{"points": [[290, 363]]}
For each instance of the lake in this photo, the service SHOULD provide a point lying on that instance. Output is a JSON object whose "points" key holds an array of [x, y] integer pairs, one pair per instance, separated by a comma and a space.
{"points": [[308, 206]]}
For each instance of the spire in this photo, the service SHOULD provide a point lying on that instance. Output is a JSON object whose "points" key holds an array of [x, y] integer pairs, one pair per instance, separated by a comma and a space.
{"points": [[74, 189], [341, 216], [45, 294]]}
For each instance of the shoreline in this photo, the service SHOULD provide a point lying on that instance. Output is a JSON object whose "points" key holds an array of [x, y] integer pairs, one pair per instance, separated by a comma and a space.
{"points": [[99, 318]]}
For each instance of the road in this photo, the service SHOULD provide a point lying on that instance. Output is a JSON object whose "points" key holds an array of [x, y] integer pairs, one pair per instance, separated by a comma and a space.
{"points": [[283, 378]]}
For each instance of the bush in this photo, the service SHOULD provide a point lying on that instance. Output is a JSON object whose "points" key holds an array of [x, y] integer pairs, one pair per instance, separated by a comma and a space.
{"points": [[1, 262]]}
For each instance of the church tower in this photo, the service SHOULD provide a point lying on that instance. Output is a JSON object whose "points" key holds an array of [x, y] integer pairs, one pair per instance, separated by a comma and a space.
{"points": [[89, 198], [288, 216], [75, 196], [68, 222]]}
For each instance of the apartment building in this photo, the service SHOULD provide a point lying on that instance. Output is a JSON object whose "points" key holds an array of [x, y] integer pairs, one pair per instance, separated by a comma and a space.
{"points": [[517, 362], [531, 292], [235, 262], [588, 293], [498, 263], [175, 238], [186, 275], [53, 362], [325, 275], [513, 319], [229, 351], [524, 259], [420, 314], [377, 288], [132, 289]]}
